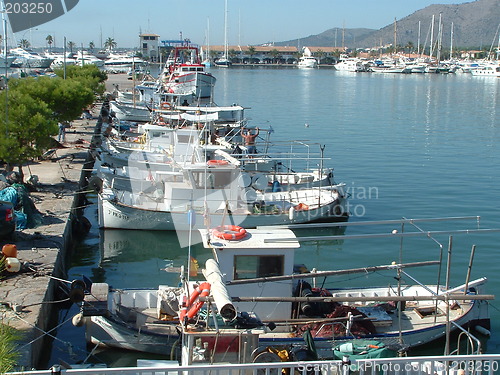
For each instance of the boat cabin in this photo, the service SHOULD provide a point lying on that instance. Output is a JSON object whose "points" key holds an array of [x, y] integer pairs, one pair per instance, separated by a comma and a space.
{"points": [[252, 257]]}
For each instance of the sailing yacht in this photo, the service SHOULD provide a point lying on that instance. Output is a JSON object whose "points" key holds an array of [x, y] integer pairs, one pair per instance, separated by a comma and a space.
{"points": [[224, 61]]}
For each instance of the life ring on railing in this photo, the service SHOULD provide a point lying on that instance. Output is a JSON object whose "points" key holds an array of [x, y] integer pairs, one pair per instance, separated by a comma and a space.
{"points": [[214, 162], [165, 105], [194, 302], [229, 232]]}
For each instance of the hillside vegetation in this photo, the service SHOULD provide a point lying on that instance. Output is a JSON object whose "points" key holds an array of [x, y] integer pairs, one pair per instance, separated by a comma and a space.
{"points": [[475, 25]]}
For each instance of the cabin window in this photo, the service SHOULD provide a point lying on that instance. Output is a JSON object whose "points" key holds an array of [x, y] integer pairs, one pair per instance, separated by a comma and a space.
{"points": [[181, 138], [253, 266], [217, 180]]}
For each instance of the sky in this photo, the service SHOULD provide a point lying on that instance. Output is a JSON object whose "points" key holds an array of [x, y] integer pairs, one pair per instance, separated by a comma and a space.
{"points": [[250, 22]]}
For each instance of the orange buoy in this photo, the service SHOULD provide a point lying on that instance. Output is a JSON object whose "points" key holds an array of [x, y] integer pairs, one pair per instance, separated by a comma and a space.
{"points": [[9, 250]]}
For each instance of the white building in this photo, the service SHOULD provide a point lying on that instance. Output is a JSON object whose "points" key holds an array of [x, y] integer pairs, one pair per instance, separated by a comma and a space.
{"points": [[149, 46]]}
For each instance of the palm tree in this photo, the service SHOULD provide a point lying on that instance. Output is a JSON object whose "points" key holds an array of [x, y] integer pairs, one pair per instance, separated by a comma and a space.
{"points": [[49, 40], [251, 52], [24, 43], [320, 54], [232, 54], [91, 46], [71, 45], [110, 43], [275, 54], [409, 46]]}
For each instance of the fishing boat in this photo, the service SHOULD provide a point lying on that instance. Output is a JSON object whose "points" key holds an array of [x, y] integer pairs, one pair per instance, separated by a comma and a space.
{"points": [[255, 271], [123, 162], [184, 74], [216, 191]]}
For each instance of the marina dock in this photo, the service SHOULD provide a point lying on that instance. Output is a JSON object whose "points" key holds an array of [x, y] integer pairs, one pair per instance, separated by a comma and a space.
{"points": [[26, 297]]}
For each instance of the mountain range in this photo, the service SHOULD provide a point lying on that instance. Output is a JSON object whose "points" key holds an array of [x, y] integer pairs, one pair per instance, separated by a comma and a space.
{"points": [[476, 24]]}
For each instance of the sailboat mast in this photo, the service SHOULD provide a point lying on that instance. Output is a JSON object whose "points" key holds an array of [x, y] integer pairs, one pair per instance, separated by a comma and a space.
{"points": [[395, 35], [432, 39], [440, 36], [418, 40], [451, 42], [225, 29]]}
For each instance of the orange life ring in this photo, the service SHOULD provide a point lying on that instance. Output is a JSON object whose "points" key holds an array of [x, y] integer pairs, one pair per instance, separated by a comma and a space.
{"points": [[229, 232], [165, 105], [194, 302], [215, 162]]}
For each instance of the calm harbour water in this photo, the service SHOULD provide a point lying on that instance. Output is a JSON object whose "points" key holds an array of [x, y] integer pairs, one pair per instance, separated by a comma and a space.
{"points": [[414, 146]]}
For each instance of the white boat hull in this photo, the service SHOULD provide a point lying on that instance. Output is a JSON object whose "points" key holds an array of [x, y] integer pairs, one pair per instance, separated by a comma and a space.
{"points": [[200, 84], [114, 332], [130, 112], [120, 216]]}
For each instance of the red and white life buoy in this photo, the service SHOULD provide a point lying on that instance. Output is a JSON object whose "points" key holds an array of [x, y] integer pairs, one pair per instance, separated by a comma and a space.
{"points": [[215, 162], [194, 304], [165, 105], [229, 232]]}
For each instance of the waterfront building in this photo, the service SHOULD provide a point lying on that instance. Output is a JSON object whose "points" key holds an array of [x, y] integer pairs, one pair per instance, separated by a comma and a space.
{"points": [[149, 46]]}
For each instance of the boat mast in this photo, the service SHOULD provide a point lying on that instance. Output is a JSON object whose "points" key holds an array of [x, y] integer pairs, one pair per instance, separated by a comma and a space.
{"points": [[431, 52], [440, 36], [225, 30], [451, 42], [418, 40], [395, 35]]}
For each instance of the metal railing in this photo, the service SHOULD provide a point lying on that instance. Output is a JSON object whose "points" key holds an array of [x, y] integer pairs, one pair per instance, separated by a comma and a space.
{"points": [[454, 365]]}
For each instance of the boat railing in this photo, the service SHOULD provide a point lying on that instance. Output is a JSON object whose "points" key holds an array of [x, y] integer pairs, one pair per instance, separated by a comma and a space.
{"points": [[473, 343], [424, 365], [345, 327]]}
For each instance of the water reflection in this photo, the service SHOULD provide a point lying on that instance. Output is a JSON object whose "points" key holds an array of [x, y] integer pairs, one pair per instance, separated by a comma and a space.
{"points": [[144, 258]]}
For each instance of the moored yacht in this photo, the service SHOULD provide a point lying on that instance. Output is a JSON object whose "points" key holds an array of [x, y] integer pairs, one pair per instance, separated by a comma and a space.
{"points": [[26, 58]]}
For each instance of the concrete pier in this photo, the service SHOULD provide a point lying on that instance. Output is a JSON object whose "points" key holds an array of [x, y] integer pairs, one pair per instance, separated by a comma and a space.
{"points": [[26, 296]]}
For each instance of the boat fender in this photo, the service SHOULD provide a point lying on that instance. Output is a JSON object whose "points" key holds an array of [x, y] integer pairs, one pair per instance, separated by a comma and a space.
{"points": [[482, 330], [12, 264], [77, 291], [276, 187], [78, 320], [291, 213], [95, 183], [229, 232]]}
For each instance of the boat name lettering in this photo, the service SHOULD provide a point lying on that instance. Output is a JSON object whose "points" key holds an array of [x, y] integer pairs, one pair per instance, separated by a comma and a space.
{"points": [[37, 7], [118, 215]]}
